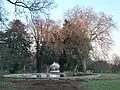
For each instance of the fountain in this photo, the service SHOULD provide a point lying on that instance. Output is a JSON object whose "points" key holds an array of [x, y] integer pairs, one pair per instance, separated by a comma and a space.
{"points": [[53, 73], [54, 67]]}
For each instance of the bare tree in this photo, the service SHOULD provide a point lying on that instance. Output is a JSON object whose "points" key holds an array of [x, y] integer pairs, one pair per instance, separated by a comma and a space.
{"points": [[98, 26], [33, 5], [32, 9], [40, 33], [116, 59]]}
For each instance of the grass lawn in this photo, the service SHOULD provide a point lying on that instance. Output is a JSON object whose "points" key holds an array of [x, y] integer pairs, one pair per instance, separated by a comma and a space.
{"points": [[4, 83], [105, 82], [103, 85], [4, 86]]}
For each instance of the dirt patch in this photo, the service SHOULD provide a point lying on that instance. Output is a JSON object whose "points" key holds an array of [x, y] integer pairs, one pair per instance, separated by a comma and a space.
{"points": [[42, 84]]}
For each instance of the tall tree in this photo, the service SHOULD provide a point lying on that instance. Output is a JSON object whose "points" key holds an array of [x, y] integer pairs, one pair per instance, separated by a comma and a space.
{"points": [[40, 36], [98, 26], [77, 43], [17, 44], [84, 33], [31, 10], [71, 44]]}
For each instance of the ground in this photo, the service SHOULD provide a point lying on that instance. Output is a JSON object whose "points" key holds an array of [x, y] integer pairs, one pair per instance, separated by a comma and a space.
{"points": [[105, 82], [10, 84]]}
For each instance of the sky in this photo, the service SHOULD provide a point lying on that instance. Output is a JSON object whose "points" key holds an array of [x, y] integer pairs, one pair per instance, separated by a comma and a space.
{"points": [[110, 7]]}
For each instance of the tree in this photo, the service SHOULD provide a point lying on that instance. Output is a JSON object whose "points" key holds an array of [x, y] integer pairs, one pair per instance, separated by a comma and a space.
{"points": [[32, 10], [116, 59], [116, 65], [99, 27], [71, 44], [3, 51], [77, 43], [100, 66], [17, 45], [84, 33], [41, 37]]}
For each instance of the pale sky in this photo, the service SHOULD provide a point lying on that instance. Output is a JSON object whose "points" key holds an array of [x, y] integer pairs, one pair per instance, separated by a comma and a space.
{"points": [[110, 7]]}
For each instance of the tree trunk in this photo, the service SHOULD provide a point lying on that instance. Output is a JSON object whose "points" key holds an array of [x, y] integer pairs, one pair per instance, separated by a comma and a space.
{"points": [[62, 68], [84, 65], [38, 65], [24, 68], [62, 61], [76, 68]]}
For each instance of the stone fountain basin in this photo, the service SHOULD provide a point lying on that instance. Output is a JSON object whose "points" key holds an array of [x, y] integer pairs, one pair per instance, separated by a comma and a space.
{"points": [[53, 75], [32, 75]]}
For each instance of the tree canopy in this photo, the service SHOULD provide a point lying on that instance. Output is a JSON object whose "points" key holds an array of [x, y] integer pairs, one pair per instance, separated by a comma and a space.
{"points": [[84, 35]]}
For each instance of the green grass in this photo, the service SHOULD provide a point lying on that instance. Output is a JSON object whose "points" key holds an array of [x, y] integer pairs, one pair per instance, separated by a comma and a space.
{"points": [[105, 82], [110, 76], [4, 83], [103, 85]]}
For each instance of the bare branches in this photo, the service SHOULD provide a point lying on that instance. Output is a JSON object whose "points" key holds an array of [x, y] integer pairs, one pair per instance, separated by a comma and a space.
{"points": [[37, 5], [100, 32], [98, 27], [20, 4]]}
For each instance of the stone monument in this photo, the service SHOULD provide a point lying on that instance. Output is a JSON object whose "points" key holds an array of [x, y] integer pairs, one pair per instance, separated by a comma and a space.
{"points": [[54, 67]]}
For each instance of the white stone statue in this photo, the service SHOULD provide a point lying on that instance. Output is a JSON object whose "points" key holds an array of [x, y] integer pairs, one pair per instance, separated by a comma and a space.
{"points": [[55, 67]]}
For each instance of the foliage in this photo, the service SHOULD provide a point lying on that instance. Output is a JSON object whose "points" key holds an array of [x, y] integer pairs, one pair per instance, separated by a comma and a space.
{"points": [[48, 56], [100, 66], [98, 27], [116, 66], [16, 46], [30, 10], [85, 35], [71, 44], [40, 35]]}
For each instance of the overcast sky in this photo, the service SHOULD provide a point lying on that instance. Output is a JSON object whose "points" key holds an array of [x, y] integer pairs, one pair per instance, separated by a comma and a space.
{"points": [[110, 7]]}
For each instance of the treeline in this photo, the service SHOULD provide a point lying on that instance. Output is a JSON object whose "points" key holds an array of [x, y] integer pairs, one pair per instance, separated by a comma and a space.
{"points": [[31, 47], [104, 67]]}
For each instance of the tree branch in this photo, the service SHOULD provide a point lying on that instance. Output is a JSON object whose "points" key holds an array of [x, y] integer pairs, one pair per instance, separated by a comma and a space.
{"points": [[17, 4], [100, 33]]}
